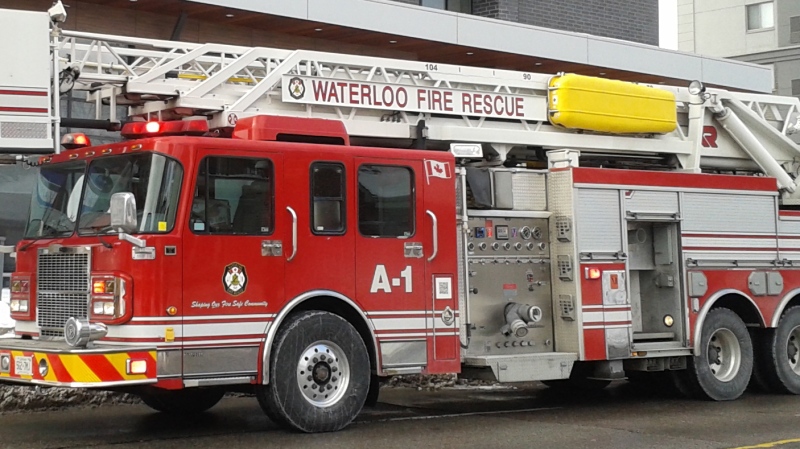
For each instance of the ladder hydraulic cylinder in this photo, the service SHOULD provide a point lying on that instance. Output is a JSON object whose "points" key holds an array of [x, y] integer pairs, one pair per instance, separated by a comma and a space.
{"points": [[750, 144]]}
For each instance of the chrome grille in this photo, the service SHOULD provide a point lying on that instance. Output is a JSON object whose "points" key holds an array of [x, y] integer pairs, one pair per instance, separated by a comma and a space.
{"points": [[62, 288]]}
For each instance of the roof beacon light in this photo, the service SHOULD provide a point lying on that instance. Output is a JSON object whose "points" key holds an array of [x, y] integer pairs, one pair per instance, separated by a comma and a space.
{"points": [[137, 130], [75, 140]]}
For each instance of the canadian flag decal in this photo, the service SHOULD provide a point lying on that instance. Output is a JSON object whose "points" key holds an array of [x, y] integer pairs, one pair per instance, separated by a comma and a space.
{"points": [[436, 169]]}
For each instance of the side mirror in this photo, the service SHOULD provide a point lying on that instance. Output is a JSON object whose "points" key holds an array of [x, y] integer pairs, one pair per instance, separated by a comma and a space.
{"points": [[123, 212]]}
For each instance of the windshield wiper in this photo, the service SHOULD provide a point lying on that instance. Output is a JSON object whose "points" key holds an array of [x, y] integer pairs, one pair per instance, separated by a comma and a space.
{"points": [[52, 232]]}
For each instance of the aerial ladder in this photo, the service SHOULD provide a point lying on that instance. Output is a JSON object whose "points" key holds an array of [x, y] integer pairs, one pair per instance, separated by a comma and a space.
{"points": [[515, 116]]}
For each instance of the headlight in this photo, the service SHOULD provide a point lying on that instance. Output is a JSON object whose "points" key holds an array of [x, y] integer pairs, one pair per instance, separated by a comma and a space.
{"points": [[19, 305]]}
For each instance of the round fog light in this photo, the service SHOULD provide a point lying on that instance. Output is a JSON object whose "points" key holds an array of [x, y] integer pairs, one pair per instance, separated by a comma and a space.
{"points": [[43, 368], [5, 363], [668, 320]]}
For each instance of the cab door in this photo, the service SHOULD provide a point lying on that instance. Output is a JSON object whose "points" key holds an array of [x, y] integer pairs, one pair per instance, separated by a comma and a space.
{"points": [[234, 262], [393, 280]]}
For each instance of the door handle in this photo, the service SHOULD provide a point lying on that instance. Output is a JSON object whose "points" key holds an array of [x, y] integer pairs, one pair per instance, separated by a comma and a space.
{"points": [[435, 235], [294, 233]]}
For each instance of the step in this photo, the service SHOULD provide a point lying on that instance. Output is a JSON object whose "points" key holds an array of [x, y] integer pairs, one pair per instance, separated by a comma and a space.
{"points": [[526, 367]]}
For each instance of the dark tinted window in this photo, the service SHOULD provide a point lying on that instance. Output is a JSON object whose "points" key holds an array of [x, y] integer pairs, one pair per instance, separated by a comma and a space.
{"points": [[327, 198], [233, 196], [385, 201]]}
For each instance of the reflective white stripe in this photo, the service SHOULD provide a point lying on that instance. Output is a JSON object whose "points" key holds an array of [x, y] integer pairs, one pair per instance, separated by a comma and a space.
{"points": [[224, 329], [617, 316], [24, 101], [188, 330], [591, 317], [399, 323], [405, 312], [606, 316], [608, 326], [199, 318], [722, 242], [186, 344], [408, 335]]}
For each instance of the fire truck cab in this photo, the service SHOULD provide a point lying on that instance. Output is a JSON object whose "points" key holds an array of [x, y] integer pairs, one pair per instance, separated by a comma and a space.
{"points": [[239, 261]]}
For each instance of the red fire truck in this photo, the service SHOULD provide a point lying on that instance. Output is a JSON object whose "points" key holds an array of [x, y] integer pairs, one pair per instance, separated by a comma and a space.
{"points": [[302, 224]]}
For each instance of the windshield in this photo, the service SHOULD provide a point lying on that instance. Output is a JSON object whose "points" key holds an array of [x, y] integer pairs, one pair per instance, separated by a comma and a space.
{"points": [[85, 198], [51, 200]]}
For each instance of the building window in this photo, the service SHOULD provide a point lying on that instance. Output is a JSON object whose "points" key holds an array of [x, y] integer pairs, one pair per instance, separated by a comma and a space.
{"points": [[327, 198], [385, 201], [796, 88], [760, 16], [233, 196], [464, 6], [794, 30]]}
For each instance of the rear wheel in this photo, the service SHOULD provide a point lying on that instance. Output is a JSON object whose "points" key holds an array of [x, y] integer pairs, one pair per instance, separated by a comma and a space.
{"points": [[319, 374], [722, 370], [778, 355], [187, 401]]}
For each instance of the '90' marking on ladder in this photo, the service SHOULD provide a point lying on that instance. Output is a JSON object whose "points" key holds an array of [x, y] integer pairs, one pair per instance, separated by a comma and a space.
{"points": [[382, 282]]}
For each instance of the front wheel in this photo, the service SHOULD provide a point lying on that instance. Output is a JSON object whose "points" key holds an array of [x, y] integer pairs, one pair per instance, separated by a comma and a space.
{"points": [[319, 374], [722, 370], [779, 355]]}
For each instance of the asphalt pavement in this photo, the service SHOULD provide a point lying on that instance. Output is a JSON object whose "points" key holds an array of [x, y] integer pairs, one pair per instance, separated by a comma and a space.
{"points": [[622, 416]]}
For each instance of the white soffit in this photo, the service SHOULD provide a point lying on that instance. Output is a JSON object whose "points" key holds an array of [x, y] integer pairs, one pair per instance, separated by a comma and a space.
{"points": [[478, 32]]}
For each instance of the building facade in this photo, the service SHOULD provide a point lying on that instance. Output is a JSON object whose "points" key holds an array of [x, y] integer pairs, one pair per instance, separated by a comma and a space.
{"points": [[630, 20], [756, 31]]}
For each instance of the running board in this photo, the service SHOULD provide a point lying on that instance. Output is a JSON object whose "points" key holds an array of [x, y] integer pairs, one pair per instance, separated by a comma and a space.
{"points": [[213, 381], [524, 367]]}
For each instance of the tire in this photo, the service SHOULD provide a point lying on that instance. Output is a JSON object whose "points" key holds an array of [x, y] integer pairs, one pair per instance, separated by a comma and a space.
{"points": [[187, 401], [330, 395], [722, 370], [778, 355]]}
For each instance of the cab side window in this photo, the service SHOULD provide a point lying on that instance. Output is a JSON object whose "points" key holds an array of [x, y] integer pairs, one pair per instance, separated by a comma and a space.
{"points": [[233, 196], [385, 201], [327, 198]]}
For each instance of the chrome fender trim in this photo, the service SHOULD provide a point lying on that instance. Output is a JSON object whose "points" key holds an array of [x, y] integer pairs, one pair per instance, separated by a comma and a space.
{"points": [[776, 318]]}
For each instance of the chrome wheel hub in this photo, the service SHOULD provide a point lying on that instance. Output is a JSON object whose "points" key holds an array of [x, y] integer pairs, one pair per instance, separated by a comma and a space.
{"points": [[724, 355], [323, 373], [793, 349]]}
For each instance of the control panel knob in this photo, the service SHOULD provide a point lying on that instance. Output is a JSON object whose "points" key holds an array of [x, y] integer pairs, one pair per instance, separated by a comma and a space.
{"points": [[518, 246], [495, 246], [542, 246], [482, 246], [471, 246], [530, 246], [507, 246], [473, 290]]}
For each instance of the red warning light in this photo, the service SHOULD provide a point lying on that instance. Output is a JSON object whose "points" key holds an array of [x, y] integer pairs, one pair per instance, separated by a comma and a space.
{"points": [[152, 127], [136, 130], [75, 140]]}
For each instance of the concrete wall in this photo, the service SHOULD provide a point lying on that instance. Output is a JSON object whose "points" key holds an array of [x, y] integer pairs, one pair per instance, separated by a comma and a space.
{"points": [[635, 21], [785, 10]]}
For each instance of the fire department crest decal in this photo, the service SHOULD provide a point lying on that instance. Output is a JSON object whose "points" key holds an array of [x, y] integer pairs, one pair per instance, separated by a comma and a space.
{"points": [[234, 279], [297, 88]]}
